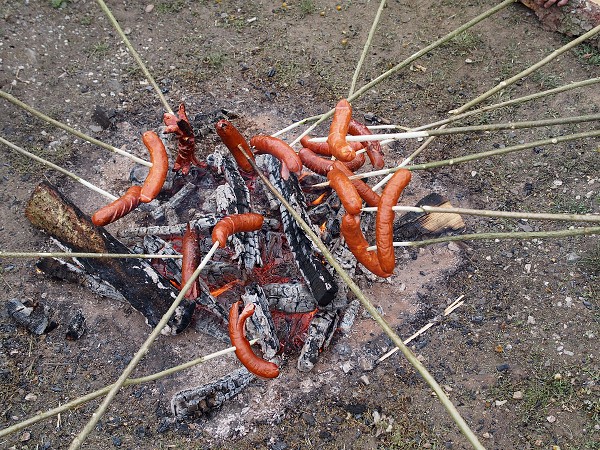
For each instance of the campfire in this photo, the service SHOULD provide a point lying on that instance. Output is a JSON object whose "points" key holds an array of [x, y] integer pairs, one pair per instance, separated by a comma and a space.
{"points": [[297, 301]]}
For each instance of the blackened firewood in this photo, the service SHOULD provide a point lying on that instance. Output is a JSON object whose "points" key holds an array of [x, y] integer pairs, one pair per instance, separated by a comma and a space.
{"points": [[260, 325], [320, 332], [201, 400], [144, 288], [34, 317], [320, 281], [203, 223], [174, 201], [218, 272], [290, 297], [416, 224], [75, 274]]}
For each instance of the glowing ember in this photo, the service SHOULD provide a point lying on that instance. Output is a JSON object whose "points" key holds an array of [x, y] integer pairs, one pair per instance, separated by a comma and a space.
{"points": [[319, 199], [225, 288]]}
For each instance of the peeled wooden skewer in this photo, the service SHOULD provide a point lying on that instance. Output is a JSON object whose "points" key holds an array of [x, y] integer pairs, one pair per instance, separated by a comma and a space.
{"points": [[4, 254], [58, 168], [474, 128]]}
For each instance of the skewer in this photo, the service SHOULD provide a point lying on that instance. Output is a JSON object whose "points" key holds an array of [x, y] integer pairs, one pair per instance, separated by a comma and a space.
{"points": [[135, 54], [4, 254], [58, 168], [474, 156], [489, 213], [514, 235], [68, 129], [78, 440], [449, 309], [469, 129]]}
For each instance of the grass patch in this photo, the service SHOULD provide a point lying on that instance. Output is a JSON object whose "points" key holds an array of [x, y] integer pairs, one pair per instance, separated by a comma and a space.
{"points": [[99, 50], [307, 7], [541, 393], [591, 261], [22, 164], [588, 54], [170, 7], [463, 43]]}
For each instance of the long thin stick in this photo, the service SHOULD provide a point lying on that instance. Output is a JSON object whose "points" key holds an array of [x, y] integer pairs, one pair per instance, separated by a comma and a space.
{"points": [[68, 129], [468, 129], [129, 382], [462, 425], [408, 61], [84, 255], [474, 156], [76, 443], [135, 54], [527, 71], [60, 169], [515, 101], [489, 213], [366, 47], [515, 235]]}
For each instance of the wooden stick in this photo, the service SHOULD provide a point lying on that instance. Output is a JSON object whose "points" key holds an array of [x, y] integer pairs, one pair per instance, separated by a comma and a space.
{"points": [[514, 235], [566, 87], [135, 54], [60, 169], [408, 61], [368, 305], [4, 254], [361, 60], [129, 382], [489, 213], [449, 309], [80, 438], [68, 129], [474, 156], [468, 129], [527, 71]]}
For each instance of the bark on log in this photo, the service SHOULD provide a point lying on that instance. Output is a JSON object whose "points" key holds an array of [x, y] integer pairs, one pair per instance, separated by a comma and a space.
{"points": [[145, 289]]}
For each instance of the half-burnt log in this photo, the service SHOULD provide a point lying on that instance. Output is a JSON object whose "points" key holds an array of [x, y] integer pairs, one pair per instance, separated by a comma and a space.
{"points": [[144, 288], [290, 298], [320, 333], [260, 324], [320, 281], [201, 400]]}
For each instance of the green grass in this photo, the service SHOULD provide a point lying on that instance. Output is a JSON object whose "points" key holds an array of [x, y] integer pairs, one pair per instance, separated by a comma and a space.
{"points": [[588, 54], [307, 7], [170, 7], [99, 50]]}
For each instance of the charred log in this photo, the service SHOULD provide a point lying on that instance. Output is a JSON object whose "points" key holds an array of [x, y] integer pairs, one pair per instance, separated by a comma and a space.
{"points": [[174, 201], [144, 288], [260, 325], [320, 281], [289, 297], [320, 333], [202, 400], [34, 317], [203, 223]]}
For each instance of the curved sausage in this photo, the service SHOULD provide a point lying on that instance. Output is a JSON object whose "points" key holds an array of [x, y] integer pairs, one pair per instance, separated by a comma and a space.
{"points": [[191, 258], [279, 149], [235, 223], [345, 191], [186, 142], [374, 152], [231, 137], [357, 244], [119, 208], [322, 148], [254, 364], [369, 196], [338, 130], [160, 166], [384, 223], [314, 162], [356, 163]]}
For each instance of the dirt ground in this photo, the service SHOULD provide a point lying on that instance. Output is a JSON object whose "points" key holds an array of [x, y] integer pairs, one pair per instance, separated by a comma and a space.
{"points": [[519, 359]]}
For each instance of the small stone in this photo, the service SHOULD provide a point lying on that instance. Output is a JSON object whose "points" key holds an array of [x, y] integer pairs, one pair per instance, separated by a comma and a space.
{"points": [[503, 367], [31, 397], [573, 257], [551, 419], [517, 395], [500, 402], [308, 418], [486, 435], [25, 436], [344, 41], [338, 7], [557, 376], [95, 128], [347, 366], [530, 320], [427, 445], [366, 364], [127, 31], [365, 380], [538, 443], [453, 247], [149, 8]]}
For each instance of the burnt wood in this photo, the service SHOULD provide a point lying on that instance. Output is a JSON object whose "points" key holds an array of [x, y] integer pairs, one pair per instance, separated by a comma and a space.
{"points": [[144, 288]]}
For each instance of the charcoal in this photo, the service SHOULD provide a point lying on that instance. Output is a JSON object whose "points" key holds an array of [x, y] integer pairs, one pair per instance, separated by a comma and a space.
{"points": [[203, 223], [76, 327], [290, 297], [320, 281], [260, 325], [320, 333], [34, 317], [201, 400], [174, 201]]}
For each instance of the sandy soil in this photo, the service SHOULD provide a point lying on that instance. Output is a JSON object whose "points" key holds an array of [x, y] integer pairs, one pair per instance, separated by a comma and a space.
{"points": [[519, 359]]}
